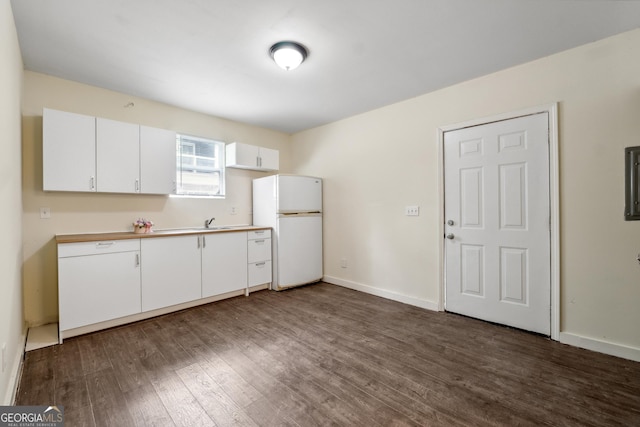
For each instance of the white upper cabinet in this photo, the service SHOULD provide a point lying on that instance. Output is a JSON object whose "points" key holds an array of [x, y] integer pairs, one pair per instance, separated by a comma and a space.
{"points": [[245, 156], [118, 156], [68, 151], [269, 159], [83, 153], [157, 161]]}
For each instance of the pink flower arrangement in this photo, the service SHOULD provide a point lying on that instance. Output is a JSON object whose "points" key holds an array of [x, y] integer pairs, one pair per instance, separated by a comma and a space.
{"points": [[142, 223]]}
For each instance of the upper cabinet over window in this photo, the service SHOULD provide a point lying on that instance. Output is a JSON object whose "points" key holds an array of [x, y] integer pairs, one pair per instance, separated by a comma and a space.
{"points": [[83, 153], [245, 156]]}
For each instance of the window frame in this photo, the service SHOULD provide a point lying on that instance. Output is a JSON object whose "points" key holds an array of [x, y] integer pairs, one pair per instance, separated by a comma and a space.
{"points": [[218, 159]]}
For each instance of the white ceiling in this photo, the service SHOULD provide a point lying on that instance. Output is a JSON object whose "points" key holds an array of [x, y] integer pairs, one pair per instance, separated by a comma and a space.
{"points": [[212, 56]]}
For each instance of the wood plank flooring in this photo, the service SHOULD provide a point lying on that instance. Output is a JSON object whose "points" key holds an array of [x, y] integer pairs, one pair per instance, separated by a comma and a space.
{"points": [[325, 355]]}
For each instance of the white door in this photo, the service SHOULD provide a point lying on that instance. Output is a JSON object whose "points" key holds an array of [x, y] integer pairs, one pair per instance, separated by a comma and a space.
{"points": [[497, 245], [299, 258], [299, 194]]}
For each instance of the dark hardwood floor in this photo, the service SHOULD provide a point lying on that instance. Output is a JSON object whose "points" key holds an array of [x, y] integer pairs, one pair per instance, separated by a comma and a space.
{"points": [[325, 355]]}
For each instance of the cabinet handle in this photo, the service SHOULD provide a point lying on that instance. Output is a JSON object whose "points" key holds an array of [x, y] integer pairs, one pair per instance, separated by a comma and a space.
{"points": [[137, 260], [103, 245], [92, 183], [198, 242], [137, 185], [204, 242], [259, 232], [259, 242], [260, 264]]}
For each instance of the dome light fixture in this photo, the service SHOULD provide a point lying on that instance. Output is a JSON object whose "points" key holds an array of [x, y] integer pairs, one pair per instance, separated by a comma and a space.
{"points": [[288, 55]]}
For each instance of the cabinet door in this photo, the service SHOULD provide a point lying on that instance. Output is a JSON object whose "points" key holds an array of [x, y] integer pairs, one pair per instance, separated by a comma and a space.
{"points": [[259, 250], [118, 156], [96, 288], [224, 263], [269, 159], [259, 273], [68, 151], [157, 161], [242, 156], [170, 271]]}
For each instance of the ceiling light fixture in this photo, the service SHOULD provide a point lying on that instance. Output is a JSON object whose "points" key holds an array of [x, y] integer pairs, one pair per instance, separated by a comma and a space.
{"points": [[288, 55]]}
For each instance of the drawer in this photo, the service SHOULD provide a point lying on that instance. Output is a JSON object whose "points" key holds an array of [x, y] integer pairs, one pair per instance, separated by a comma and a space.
{"points": [[259, 273], [259, 234], [259, 250], [95, 248]]}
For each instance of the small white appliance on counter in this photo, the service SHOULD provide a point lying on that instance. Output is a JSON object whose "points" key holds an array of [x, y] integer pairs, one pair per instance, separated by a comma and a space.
{"points": [[292, 206]]}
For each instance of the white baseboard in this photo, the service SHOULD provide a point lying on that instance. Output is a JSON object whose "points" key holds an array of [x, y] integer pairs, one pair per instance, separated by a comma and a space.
{"points": [[612, 349], [9, 396], [395, 296]]}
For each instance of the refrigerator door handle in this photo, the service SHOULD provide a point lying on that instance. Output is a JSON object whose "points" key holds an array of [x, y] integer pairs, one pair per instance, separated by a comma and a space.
{"points": [[298, 214]]}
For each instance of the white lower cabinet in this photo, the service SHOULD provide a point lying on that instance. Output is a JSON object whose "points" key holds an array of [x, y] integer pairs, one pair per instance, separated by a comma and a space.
{"points": [[224, 263], [259, 257], [107, 281], [170, 271], [98, 281]]}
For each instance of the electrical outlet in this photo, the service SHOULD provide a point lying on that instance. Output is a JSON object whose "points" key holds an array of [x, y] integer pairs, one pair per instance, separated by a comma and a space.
{"points": [[233, 210], [343, 263], [45, 213], [412, 210]]}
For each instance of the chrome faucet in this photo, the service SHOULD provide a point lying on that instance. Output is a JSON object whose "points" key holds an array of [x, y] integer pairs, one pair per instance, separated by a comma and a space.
{"points": [[207, 222]]}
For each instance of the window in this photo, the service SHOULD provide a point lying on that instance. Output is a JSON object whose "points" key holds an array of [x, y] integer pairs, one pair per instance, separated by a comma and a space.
{"points": [[200, 166]]}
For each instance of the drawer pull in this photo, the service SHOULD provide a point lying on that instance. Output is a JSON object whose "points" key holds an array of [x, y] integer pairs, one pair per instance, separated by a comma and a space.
{"points": [[104, 245], [260, 264], [259, 242], [259, 232]]}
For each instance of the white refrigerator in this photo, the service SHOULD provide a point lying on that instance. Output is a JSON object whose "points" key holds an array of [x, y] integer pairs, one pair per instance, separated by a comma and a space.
{"points": [[292, 206]]}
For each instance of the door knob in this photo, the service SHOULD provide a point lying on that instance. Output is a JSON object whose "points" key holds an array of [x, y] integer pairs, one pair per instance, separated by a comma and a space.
{"points": [[450, 222], [450, 236]]}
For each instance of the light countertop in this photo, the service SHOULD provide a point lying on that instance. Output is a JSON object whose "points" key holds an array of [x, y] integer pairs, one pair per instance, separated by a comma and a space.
{"points": [[123, 235]]}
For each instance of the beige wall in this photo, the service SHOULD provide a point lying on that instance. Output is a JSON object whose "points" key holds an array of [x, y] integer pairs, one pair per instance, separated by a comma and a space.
{"points": [[11, 324], [85, 212], [376, 163]]}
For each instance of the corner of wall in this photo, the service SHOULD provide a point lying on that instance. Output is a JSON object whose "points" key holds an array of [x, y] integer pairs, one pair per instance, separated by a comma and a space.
{"points": [[12, 327]]}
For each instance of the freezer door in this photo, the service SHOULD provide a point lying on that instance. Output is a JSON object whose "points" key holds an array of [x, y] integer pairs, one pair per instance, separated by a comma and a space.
{"points": [[299, 258], [299, 194]]}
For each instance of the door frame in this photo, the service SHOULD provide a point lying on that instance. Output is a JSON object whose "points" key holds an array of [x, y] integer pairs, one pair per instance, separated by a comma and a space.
{"points": [[554, 200]]}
